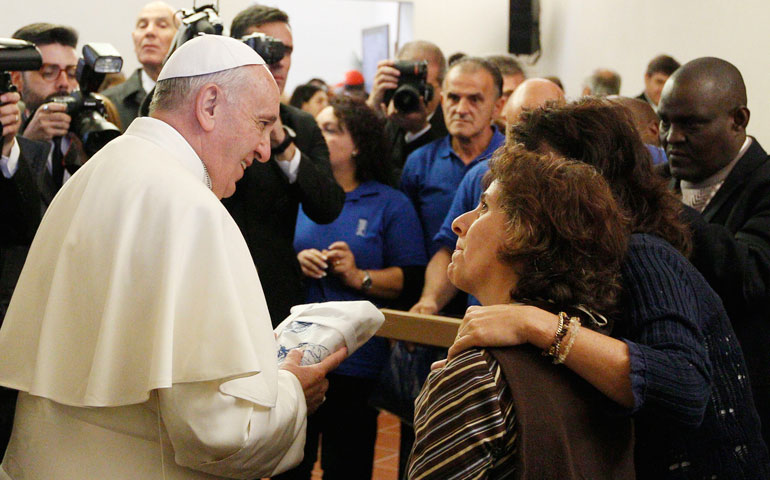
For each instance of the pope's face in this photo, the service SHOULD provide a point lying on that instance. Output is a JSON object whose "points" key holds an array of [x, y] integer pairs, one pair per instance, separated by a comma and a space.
{"points": [[244, 133]]}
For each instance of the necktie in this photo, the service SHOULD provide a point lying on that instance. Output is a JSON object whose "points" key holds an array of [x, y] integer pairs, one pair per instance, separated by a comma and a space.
{"points": [[57, 168]]}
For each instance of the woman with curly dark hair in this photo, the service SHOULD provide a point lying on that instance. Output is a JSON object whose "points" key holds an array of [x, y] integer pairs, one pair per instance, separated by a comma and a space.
{"points": [[674, 362], [546, 232], [372, 251]]}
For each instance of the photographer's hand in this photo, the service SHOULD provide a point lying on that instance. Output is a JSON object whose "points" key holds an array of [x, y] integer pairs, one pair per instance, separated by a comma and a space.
{"points": [[277, 136], [10, 118], [49, 121], [385, 79]]}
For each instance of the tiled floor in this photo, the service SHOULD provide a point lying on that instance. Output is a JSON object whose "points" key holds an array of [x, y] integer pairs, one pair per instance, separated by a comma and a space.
{"points": [[385, 450]]}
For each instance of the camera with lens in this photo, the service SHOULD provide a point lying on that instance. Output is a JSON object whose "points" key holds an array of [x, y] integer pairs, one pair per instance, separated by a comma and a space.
{"points": [[412, 85], [86, 109], [197, 21], [16, 55], [194, 22], [269, 48]]}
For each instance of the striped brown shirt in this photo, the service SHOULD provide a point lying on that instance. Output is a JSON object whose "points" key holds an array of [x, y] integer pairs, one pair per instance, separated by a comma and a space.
{"points": [[464, 422]]}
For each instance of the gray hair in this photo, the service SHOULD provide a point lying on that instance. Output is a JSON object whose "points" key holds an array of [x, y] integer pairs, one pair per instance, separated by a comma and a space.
{"points": [[173, 93], [603, 82], [507, 64]]}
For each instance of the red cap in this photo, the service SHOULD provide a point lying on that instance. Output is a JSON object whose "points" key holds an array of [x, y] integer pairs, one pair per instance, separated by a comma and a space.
{"points": [[353, 77]]}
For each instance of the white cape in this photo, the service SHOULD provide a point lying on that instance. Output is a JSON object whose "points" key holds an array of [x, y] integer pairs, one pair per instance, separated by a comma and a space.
{"points": [[138, 278]]}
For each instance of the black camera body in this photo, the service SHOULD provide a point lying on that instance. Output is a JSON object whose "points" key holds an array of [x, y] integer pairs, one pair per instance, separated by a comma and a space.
{"points": [[412, 85], [16, 55], [86, 109], [269, 48], [196, 21]]}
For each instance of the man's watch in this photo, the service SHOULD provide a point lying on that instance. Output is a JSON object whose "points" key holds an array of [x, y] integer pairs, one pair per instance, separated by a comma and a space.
{"points": [[287, 140], [366, 284]]}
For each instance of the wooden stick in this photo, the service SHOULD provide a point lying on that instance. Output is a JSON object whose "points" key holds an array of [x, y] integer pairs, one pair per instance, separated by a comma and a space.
{"points": [[419, 328]]}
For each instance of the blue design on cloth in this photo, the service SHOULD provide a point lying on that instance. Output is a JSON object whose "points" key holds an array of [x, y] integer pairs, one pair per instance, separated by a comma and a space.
{"points": [[313, 352]]}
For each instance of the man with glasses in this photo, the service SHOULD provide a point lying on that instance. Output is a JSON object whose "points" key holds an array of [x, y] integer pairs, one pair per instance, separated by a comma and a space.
{"points": [[26, 169], [48, 121], [57, 45]]}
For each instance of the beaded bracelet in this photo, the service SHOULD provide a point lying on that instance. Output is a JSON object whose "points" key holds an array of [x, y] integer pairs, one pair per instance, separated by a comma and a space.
{"points": [[572, 330], [561, 331]]}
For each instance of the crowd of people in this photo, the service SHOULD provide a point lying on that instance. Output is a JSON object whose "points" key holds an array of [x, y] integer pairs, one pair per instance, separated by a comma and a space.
{"points": [[609, 258]]}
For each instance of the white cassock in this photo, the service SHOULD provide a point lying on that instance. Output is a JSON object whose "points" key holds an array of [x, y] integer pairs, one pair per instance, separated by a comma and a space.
{"points": [[138, 334]]}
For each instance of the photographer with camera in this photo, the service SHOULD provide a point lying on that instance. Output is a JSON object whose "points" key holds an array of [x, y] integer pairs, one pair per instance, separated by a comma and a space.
{"points": [[419, 120], [152, 36], [42, 120], [267, 200], [20, 207]]}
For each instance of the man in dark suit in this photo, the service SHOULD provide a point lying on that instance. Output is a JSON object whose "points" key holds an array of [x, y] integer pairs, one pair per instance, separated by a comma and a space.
{"points": [[20, 214], [658, 71], [267, 198], [154, 31], [409, 131], [724, 175]]}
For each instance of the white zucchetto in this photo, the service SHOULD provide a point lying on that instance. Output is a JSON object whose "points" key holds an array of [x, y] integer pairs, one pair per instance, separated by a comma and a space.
{"points": [[208, 54]]}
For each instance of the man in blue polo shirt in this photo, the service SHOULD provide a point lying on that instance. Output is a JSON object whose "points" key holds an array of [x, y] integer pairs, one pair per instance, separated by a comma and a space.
{"points": [[471, 99], [438, 291]]}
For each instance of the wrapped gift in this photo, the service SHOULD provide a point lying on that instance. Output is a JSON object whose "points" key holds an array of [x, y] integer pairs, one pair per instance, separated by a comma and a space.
{"points": [[320, 329]]}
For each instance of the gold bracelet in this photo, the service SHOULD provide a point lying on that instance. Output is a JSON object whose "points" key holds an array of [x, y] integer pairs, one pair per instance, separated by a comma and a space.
{"points": [[572, 330], [561, 331]]}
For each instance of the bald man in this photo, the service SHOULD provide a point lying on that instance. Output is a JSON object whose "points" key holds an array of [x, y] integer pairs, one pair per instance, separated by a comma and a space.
{"points": [[153, 33], [646, 122], [530, 94], [143, 348], [724, 175], [438, 291]]}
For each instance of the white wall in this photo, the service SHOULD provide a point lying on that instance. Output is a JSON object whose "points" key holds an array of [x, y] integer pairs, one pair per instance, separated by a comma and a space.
{"points": [[577, 35], [581, 35], [327, 33]]}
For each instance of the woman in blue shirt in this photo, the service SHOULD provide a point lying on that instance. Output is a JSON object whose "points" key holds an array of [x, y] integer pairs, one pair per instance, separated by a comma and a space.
{"points": [[372, 251]]}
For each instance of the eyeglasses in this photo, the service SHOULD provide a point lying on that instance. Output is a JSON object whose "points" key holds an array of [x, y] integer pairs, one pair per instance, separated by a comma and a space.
{"points": [[51, 72]]}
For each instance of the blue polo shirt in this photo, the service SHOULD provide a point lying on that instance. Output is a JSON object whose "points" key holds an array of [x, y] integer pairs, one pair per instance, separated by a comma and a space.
{"points": [[430, 179], [381, 227], [465, 200], [657, 154], [467, 197]]}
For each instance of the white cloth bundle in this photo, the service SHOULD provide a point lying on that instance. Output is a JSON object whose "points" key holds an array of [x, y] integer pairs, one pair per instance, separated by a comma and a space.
{"points": [[322, 328]]}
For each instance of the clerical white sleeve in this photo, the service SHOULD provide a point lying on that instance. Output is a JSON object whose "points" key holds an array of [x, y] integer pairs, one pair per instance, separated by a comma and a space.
{"points": [[227, 436]]}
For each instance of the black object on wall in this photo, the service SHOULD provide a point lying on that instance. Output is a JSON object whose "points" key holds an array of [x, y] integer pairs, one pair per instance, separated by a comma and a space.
{"points": [[524, 27]]}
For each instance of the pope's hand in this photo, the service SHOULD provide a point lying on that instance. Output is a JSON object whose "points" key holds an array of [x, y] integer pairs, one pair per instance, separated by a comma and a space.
{"points": [[313, 377]]}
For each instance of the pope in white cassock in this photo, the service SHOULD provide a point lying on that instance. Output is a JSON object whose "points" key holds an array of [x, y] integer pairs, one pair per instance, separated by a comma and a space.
{"points": [[138, 335]]}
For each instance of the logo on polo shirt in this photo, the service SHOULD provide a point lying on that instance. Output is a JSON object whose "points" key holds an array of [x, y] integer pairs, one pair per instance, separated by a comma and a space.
{"points": [[361, 230]]}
